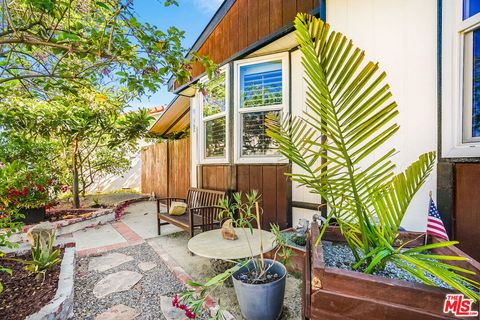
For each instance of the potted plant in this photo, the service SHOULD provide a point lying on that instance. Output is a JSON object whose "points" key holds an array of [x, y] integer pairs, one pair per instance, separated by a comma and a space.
{"points": [[350, 120], [259, 282], [29, 190]]}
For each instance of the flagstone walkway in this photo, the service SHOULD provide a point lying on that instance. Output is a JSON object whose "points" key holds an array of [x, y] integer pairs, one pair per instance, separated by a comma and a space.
{"points": [[126, 271], [127, 283], [119, 275]]}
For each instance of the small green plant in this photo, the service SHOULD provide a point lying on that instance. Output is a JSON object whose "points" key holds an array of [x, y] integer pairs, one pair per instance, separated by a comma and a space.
{"points": [[299, 240], [43, 255], [283, 250], [8, 225], [96, 203], [244, 214]]}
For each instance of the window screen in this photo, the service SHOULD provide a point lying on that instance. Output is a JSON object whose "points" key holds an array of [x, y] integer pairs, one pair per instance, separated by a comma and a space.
{"points": [[261, 84]]}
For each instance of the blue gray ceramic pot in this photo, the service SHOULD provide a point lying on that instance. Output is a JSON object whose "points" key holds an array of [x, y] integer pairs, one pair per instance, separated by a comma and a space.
{"points": [[261, 301]]}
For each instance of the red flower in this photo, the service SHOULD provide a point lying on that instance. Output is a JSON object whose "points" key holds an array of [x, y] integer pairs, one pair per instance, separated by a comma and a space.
{"points": [[175, 302], [188, 312]]}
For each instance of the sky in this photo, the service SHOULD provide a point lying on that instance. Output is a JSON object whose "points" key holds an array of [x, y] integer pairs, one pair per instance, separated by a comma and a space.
{"points": [[190, 16]]}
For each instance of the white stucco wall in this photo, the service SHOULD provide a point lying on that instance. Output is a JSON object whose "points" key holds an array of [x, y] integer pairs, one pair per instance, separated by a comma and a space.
{"points": [[401, 36], [127, 180], [194, 153]]}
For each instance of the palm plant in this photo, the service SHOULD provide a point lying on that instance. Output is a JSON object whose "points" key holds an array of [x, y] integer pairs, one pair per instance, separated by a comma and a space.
{"points": [[338, 143]]}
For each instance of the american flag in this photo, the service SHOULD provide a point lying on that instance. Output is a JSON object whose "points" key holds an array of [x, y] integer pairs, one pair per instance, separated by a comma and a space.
{"points": [[435, 224]]}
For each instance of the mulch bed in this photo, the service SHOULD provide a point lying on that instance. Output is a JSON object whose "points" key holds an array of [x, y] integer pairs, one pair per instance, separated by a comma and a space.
{"points": [[24, 295]]}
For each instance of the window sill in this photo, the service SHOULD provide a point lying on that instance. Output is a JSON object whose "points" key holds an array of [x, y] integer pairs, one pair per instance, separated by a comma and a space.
{"points": [[262, 160], [213, 161], [462, 151]]}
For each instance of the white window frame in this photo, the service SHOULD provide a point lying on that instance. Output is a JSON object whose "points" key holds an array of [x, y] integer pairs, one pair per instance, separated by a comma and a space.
{"points": [[454, 29], [202, 120], [284, 107]]}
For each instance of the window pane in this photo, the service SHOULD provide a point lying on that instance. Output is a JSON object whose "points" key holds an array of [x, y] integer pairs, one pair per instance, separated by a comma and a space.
{"points": [[261, 84], [470, 8], [214, 96], [255, 141], [476, 85], [215, 137]]}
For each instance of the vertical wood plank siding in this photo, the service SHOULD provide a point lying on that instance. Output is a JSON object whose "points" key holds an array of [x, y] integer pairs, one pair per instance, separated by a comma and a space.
{"points": [[467, 208], [269, 180], [166, 169], [252, 26], [246, 22], [263, 18], [214, 177]]}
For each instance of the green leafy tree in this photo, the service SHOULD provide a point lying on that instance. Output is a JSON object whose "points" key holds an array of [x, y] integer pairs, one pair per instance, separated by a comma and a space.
{"points": [[94, 133], [350, 116], [66, 44]]}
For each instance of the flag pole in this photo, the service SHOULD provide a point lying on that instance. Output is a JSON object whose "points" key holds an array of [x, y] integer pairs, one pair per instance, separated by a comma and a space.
{"points": [[426, 231]]}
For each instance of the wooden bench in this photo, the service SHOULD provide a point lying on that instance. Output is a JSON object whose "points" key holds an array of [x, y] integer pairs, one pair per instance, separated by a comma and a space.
{"points": [[202, 211]]}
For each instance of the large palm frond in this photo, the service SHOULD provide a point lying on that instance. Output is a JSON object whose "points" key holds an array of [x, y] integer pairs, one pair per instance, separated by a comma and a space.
{"points": [[350, 105], [392, 199], [339, 146]]}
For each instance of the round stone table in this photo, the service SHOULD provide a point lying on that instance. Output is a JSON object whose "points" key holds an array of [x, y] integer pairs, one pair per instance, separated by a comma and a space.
{"points": [[210, 244]]}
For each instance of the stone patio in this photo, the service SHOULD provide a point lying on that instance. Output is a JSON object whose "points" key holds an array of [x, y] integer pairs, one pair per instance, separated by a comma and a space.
{"points": [[134, 273], [122, 289]]}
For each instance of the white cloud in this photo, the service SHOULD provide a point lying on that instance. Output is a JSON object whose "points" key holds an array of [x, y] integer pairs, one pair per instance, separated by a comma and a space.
{"points": [[207, 6]]}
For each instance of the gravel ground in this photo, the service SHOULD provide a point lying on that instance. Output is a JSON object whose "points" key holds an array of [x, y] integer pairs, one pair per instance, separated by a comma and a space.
{"points": [[144, 296], [340, 256]]}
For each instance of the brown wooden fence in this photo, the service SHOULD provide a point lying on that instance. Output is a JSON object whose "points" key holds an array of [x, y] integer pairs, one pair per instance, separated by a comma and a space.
{"points": [[166, 168]]}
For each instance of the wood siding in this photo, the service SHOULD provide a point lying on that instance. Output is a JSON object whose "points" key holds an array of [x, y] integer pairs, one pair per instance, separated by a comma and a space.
{"points": [[247, 22], [269, 180], [166, 169], [214, 177], [467, 208]]}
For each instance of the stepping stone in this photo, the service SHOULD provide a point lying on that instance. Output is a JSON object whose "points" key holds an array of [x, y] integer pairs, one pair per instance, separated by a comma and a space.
{"points": [[118, 312], [116, 282], [148, 265], [169, 311], [108, 261]]}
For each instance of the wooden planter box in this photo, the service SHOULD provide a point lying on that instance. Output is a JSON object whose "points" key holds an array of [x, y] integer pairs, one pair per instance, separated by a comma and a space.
{"points": [[332, 293], [297, 260]]}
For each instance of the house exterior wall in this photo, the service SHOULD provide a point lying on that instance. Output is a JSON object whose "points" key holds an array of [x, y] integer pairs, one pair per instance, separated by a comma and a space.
{"points": [[459, 169], [247, 22], [402, 36]]}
